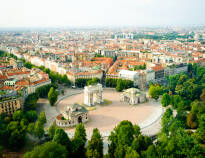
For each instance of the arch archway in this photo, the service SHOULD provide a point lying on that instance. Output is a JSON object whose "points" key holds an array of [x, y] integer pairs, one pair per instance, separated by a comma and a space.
{"points": [[79, 119]]}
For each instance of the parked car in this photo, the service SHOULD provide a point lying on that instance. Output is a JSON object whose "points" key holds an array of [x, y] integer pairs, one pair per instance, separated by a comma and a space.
{"points": [[73, 87]]}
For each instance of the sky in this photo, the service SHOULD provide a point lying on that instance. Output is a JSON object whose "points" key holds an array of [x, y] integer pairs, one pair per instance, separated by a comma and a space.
{"points": [[72, 13]]}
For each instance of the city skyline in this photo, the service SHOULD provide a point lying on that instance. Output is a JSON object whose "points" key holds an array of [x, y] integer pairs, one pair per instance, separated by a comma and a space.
{"points": [[79, 13]]}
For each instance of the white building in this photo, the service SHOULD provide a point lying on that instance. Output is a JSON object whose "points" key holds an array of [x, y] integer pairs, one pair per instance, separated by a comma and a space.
{"points": [[37, 61], [129, 75]]}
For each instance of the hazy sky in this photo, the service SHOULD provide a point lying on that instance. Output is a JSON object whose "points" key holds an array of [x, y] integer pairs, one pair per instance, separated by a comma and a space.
{"points": [[37, 13]]}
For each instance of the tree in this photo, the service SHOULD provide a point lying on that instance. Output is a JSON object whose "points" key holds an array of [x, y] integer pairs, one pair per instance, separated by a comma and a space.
{"points": [[150, 152], [123, 84], [43, 91], [1, 151], [51, 131], [111, 82], [38, 130], [42, 118], [120, 151], [155, 91], [31, 102], [78, 148], [31, 115], [17, 138], [28, 65], [120, 85], [62, 138], [167, 118], [136, 130], [200, 132], [175, 100], [141, 143], [131, 153], [78, 143], [17, 115], [80, 132], [192, 120], [66, 80], [182, 116], [30, 128], [183, 78], [93, 81], [48, 150], [81, 82], [62, 91], [165, 100], [95, 145], [189, 90], [121, 137], [52, 96], [173, 80], [202, 96]]}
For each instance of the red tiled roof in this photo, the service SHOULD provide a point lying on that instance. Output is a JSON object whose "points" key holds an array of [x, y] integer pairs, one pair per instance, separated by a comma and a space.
{"points": [[157, 68]]}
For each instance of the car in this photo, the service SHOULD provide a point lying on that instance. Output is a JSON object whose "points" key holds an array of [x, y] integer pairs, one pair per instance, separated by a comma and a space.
{"points": [[73, 87]]}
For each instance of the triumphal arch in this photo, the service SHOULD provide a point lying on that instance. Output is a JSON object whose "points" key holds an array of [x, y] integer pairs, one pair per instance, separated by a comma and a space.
{"points": [[93, 95]]}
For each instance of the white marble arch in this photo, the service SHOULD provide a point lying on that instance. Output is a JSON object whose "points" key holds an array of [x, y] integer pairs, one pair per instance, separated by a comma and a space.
{"points": [[93, 94]]}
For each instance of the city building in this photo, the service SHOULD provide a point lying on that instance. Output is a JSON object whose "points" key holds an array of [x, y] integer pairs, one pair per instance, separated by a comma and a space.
{"points": [[11, 101]]}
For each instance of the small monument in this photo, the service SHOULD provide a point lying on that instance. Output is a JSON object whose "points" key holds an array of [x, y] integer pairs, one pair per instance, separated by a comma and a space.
{"points": [[133, 96], [74, 115], [93, 95]]}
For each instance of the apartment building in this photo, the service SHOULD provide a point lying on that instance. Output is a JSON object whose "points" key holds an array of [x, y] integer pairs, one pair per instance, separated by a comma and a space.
{"points": [[72, 76], [175, 69], [11, 100]]}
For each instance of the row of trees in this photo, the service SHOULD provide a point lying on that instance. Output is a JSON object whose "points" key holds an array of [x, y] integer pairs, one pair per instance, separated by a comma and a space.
{"points": [[46, 91], [119, 84], [54, 76], [5, 54], [82, 82], [61, 146], [125, 141], [43, 90]]}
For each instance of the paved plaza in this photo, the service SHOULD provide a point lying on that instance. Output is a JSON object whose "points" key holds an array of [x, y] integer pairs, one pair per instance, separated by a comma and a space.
{"points": [[106, 117]]}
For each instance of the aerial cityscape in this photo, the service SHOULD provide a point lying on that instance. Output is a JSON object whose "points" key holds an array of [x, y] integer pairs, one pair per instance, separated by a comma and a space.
{"points": [[107, 79]]}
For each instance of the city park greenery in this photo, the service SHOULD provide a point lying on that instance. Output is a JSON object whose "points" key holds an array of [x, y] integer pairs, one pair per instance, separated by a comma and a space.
{"points": [[126, 141]]}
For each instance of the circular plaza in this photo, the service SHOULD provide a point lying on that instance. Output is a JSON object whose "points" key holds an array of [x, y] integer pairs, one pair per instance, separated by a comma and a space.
{"points": [[106, 117]]}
